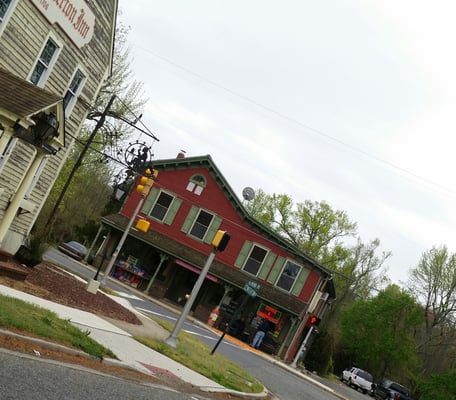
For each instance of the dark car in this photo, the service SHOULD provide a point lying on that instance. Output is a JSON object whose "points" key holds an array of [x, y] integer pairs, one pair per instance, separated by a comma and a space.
{"points": [[391, 390], [74, 249]]}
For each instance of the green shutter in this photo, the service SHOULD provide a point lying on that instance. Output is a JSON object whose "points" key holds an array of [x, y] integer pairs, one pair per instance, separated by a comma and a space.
{"points": [[189, 220], [212, 229], [270, 257], [243, 254], [147, 207], [174, 207], [276, 270], [299, 283]]}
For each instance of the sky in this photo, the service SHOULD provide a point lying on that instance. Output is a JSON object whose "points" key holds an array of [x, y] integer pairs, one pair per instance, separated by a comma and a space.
{"points": [[351, 102]]}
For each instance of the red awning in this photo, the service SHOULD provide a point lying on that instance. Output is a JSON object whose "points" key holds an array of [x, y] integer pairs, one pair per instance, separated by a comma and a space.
{"points": [[195, 270]]}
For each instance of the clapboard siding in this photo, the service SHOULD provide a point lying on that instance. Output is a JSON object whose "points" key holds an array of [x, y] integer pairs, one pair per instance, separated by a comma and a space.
{"points": [[21, 41]]}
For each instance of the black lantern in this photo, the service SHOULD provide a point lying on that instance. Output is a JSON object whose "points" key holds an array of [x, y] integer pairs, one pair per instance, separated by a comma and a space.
{"points": [[46, 127], [119, 191]]}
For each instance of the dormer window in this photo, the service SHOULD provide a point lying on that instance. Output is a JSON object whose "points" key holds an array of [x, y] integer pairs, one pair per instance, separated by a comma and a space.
{"points": [[196, 184]]}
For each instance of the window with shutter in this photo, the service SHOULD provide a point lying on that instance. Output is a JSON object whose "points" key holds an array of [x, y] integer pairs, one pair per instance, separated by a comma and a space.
{"points": [[288, 276]]}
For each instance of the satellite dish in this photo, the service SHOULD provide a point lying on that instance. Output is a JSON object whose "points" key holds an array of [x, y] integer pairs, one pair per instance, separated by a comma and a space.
{"points": [[248, 193]]}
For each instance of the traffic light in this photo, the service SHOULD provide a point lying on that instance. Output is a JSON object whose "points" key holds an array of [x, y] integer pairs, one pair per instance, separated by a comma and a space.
{"points": [[146, 181], [314, 320], [143, 225], [220, 240]]}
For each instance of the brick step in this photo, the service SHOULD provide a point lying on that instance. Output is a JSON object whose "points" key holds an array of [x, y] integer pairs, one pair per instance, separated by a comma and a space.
{"points": [[11, 268]]}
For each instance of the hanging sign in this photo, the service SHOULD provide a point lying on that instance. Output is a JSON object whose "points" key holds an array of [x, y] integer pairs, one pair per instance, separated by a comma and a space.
{"points": [[74, 17]]}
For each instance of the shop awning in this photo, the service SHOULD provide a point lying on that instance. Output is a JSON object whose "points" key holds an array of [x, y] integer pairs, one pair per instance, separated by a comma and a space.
{"points": [[195, 270]]}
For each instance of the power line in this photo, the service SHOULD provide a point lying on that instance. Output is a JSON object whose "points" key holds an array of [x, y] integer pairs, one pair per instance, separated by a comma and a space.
{"points": [[299, 123]]}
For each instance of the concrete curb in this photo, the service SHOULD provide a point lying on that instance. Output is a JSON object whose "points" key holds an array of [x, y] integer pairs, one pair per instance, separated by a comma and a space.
{"points": [[49, 345]]}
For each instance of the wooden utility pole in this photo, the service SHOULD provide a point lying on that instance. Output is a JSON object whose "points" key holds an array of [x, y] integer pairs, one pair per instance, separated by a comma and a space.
{"points": [[77, 164]]}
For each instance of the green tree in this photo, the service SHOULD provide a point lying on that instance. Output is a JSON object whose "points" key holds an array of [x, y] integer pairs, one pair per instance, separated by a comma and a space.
{"points": [[329, 237], [438, 387], [313, 227], [433, 283], [378, 333], [325, 234]]}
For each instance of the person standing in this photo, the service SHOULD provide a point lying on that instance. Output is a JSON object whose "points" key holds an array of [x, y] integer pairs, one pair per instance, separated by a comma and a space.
{"points": [[263, 328], [238, 327]]}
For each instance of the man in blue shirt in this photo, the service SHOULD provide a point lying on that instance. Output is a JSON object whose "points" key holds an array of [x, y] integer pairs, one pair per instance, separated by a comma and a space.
{"points": [[263, 328]]}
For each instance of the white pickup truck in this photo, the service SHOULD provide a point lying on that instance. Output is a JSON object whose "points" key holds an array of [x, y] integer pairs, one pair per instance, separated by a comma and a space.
{"points": [[358, 379]]}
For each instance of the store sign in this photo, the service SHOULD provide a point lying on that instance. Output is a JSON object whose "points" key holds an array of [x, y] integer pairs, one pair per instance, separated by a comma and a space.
{"points": [[252, 288], [269, 313], [74, 16]]}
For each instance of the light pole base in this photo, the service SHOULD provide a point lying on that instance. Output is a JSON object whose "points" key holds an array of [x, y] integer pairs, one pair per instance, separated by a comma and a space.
{"points": [[171, 341], [93, 286]]}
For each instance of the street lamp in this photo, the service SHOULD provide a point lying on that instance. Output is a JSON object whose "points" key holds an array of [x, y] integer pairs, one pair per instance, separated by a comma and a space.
{"points": [[119, 191]]}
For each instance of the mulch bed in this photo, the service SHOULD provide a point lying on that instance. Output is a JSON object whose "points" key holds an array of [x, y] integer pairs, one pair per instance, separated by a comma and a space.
{"points": [[51, 283]]}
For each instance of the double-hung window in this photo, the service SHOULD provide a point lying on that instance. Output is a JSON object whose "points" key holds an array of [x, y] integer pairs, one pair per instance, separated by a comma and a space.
{"points": [[44, 62], [161, 206], [4, 6], [73, 90], [255, 260], [288, 276], [201, 224]]}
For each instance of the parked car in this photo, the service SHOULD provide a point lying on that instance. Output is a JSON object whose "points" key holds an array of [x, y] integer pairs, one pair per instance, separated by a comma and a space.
{"points": [[358, 379], [391, 390], [74, 249]]}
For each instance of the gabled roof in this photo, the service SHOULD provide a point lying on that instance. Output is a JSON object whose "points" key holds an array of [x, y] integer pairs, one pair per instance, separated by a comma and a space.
{"points": [[23, 98], [208, 163]]}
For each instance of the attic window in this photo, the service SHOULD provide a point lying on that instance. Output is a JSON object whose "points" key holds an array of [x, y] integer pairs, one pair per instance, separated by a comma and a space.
{"points": [[196, 184]]}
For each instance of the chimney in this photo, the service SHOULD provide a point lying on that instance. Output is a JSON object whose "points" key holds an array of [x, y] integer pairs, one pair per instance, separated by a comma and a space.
{"points": [[181, 154]]}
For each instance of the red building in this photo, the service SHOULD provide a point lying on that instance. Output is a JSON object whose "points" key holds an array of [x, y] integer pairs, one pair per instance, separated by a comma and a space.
{"points": [[259, 274]]}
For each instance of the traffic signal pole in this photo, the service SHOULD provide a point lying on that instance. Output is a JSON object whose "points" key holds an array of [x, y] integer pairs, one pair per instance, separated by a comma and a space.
{"points": [[302, 348], [172, 339], [219, 243], [145, 185], [122, 241]]}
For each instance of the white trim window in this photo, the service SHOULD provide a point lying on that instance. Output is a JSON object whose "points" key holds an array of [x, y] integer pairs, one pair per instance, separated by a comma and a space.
{"points": [[73, 91], [288, 276], [45, 62], [255, 260], [5, 9], [196, 184], [201, 224], [7, 151], [161, 206]]}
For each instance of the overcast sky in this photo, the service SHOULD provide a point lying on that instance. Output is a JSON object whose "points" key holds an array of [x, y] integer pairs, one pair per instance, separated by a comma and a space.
{"points": [[350, 102]]}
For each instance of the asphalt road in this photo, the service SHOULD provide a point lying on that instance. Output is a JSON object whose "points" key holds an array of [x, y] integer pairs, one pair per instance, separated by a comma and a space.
{"points": [[284, 384], [25, 377]]}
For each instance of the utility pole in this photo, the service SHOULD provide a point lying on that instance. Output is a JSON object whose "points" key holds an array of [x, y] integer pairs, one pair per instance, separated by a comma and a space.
{"points": [[77, 164]]}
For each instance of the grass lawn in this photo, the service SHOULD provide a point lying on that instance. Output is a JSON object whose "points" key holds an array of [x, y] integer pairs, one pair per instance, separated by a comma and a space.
{"points": [[15, 313], [195, 354], [190, 351]]}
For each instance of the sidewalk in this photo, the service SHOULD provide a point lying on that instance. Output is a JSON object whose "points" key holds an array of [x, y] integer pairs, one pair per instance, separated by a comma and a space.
{"points": [[133, 354]]}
